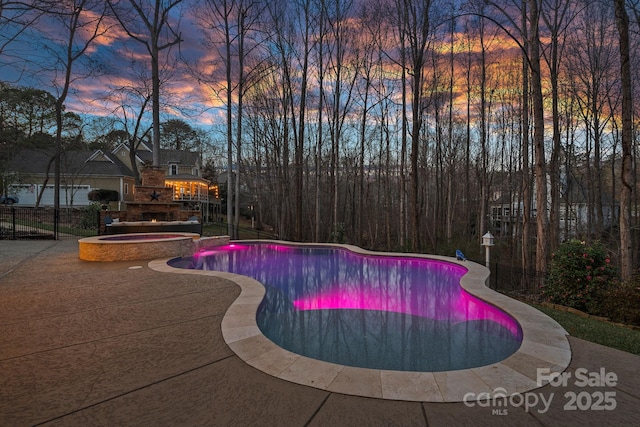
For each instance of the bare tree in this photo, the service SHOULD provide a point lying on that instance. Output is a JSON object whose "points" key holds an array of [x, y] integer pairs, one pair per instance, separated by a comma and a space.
{"points": [[230, 28], [293, 27], [469, 28], [528, 39], [524, 131], [15, 18], [306, 30], [320, 48], [224, 13], [485, 40], [415, 28], [129, 102], [155, 17], [626, 258], [593, 67], [398, 54], [452, 144], [557, 14], [79, 24], [339, 100], [367, 61], [540, 162]]}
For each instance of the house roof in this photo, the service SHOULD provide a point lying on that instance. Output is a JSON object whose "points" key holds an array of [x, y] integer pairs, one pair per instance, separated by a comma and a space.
{"points": [[73, 162], [145, 157], [31, 161], [141, 152], [103, 167], [167, 156], [97, 162], [178, 156]]}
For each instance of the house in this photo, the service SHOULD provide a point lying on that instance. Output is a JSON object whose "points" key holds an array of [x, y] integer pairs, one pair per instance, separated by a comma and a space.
{"points": [[183, 172], [576, 213], [31, 176]]}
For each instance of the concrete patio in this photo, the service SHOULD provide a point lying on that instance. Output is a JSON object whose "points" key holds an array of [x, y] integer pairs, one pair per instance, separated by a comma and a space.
{"points": [[117, 343]]}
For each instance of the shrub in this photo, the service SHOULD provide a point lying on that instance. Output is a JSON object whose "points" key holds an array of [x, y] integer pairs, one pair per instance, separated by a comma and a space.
{"points": [[90, 217], [337, 235], [622, 302], [580, 276], [103, 196]]}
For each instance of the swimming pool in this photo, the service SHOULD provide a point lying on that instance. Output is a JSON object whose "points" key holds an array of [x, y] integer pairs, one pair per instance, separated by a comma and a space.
{"points": [[544, 344], [368, 311]]}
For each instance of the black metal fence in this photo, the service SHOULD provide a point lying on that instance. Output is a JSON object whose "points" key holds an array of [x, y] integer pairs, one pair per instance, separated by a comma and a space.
{"points": [[516, 282], [22, 223]]}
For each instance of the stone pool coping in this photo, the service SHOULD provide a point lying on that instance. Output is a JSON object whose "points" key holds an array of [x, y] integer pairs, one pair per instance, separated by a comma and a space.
{"points": [[544, 346]]}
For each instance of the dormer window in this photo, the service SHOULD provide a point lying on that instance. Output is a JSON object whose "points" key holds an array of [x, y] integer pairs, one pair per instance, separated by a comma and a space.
{"points": [[173, 169]]}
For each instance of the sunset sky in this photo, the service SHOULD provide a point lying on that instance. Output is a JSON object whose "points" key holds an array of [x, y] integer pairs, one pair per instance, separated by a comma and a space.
{"points": [[118, 62]]}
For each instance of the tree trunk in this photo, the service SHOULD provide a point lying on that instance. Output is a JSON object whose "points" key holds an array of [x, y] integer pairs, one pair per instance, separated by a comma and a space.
{"points": [[626, 256], [526, 178], [320, 128], [542, 222]]}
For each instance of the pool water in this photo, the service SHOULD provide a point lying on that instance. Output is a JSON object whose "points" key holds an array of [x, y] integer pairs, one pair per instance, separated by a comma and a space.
{"points": [[379, 312]]}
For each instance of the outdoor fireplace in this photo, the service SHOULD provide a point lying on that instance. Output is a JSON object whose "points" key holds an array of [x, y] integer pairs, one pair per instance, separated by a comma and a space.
{"points": [[153, 208], [155, 216]]}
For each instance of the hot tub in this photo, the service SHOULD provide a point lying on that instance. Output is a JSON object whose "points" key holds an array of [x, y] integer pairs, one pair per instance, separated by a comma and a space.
{"points": [[136, 246]]}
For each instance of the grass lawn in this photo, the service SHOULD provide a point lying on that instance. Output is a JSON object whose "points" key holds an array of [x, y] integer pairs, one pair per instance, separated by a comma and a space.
{"points": [[595, 330]]}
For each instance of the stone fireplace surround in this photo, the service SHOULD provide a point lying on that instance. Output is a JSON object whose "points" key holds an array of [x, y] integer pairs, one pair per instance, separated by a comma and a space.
{"points": [[152, 206]]}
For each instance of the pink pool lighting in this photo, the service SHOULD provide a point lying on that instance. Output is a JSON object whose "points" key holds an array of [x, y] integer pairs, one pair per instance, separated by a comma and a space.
{"points": [[374, 311], [221, 249], [464, 308]]}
